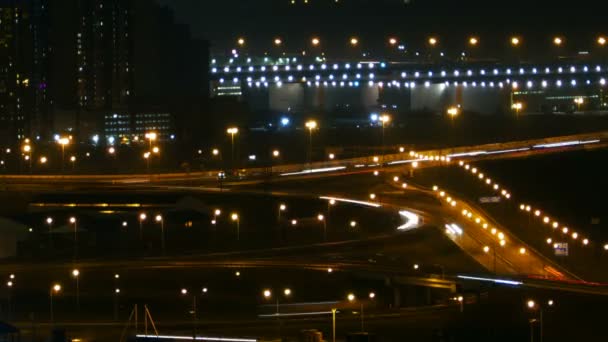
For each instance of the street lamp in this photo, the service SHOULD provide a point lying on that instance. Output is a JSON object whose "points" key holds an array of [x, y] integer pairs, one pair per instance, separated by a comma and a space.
{"points": [[579, 102], [393, 41], [54, 290], [433, 41], [557, 41], [517, 106], [321, 219], [74, 222], [315, 41], [354, 41], [76, 275], [384, 119], [311, 125], [601, 41], [72, 160], [49, 221], [453, 112], [63, 142], [232, 131], [27, 148], [240, 41], [147, 158], [142, 217], [282, 208], [159, 219], [278, 41], [515, 41], [533, 305], [473, 41], [275, 155], [235, 218]]}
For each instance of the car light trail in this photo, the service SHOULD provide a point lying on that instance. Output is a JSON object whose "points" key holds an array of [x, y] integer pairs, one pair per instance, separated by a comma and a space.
{"points": [[296, 314], [454, 229], [197, 338], [306, 172], [566, 143], [493, 280], [509, 151], [404, 161], [413, 220], [346, 200]]}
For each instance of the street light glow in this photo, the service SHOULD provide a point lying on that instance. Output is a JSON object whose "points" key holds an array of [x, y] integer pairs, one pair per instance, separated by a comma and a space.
{"points": [[311, 124], [557, 41]]}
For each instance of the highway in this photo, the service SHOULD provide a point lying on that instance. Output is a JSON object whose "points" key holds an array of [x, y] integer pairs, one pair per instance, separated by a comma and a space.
{"points": [[389, 162]]}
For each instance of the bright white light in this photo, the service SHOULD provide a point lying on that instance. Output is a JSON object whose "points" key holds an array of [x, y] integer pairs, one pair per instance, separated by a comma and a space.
{"points": [[413, 220]]}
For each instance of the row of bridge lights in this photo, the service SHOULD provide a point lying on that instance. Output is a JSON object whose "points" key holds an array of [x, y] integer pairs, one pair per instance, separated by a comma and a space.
{"points": [[477, 219], [404, 74], [431, 41], [554, 224], [524, 207]]}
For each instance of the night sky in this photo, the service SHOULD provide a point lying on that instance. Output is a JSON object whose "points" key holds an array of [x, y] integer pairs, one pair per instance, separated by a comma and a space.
{"points": [[222, 21]]}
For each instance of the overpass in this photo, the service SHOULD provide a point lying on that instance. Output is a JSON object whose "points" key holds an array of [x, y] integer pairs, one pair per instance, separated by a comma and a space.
{"points": [[333, 167]]}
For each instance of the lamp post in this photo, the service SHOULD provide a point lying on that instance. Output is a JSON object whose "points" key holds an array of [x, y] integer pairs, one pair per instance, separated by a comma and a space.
{"points": [[275, 155], [311, 125], [184, 292], [147, 159], [49, 221], [27, 148], [232, 131], [321, 219], [76, 275], [268, 295], [333, 324], [532, 305], [63, 142], [73, 161], [74, 222], [282, 208], [54, 290], [142, 218], [159, 219], [151, 136], [384, 119], [9, 285], [235, 218]]}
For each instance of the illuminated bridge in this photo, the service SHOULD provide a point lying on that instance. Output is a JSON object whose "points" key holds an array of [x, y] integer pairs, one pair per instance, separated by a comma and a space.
{"points": [[293, 86]]}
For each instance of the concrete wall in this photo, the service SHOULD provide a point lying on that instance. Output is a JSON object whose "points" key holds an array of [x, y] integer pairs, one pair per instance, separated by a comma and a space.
{"points": [[299, 97], [435, 98]]}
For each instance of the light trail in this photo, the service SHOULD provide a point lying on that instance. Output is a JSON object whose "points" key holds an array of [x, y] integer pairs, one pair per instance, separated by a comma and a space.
{"points": [[311, 171], [346, 200], [492, 280], [197, 338], [413, 220]]}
